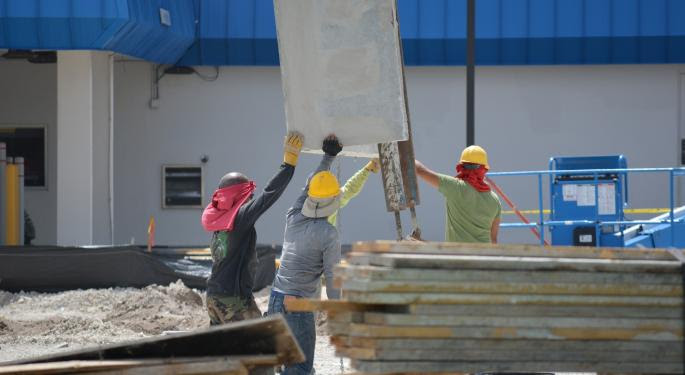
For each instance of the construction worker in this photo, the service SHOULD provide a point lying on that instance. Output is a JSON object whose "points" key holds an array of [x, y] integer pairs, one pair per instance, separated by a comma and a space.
{"points": [[473, 210], [231, 216], [311, 247]]}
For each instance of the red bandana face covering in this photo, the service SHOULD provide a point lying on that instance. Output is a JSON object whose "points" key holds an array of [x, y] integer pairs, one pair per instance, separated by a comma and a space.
{"points": [[220, 213], [474, 177]]}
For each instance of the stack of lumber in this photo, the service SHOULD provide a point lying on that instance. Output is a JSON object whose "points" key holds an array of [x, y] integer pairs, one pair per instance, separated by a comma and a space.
{"points": [[413, 307], [247, 347]]}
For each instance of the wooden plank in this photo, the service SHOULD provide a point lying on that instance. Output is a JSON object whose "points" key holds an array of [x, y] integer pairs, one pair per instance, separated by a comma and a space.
{"points": [[532, 322], [506, 287], [67, 367], [208, 365], [491, 366], [547, 311], [513, 299], [221, 366], [512, 344], [477, 354], [374, 273], [263, 336], [406, 247], [432, 332], [305, 305], [460, 262]]}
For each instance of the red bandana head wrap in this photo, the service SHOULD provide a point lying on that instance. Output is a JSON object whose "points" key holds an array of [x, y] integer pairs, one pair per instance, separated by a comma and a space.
{"points": [[473, 176], [221, 211]]}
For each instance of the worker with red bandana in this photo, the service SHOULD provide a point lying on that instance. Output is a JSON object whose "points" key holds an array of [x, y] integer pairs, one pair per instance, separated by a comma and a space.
{"points": [[231, 217], [473, 210]]}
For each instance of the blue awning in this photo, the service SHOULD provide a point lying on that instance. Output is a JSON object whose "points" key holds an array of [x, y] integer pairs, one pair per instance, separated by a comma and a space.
{"points": [[242, 32], [509, 32], [131, 27]]}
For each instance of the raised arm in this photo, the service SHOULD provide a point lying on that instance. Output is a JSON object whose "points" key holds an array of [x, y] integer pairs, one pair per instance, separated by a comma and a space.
{"points": [[331, 147], [276, 186], [354, 186], [426, 174]]}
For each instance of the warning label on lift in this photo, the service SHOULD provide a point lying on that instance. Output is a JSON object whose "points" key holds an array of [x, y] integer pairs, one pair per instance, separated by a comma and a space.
{"points": [[584, 196]]}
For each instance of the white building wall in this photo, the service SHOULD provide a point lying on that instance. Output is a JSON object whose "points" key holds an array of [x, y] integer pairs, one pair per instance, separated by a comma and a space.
{"points": [[28, 96], [524, 116]]}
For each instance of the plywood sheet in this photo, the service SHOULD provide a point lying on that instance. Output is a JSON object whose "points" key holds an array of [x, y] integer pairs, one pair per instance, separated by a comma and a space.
{"points": [[341, 71]]}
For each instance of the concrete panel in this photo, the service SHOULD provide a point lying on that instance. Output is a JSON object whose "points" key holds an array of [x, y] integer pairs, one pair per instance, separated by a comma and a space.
{"points": [[342, 70]]}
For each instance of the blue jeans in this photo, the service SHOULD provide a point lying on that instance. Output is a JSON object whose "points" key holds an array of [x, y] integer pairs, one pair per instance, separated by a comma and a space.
{"points": [[302, 325]]}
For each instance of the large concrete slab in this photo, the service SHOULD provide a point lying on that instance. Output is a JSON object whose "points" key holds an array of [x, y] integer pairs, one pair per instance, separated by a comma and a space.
{"points": [[342, 71]]}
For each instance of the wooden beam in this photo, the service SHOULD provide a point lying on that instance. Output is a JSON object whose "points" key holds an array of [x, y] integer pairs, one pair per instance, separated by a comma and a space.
{"points": [[477, 354], [547, 311], [430, 332], [374, 273], [306, 305], [505, 287], [270, 336], [510, 344], [531, 322], [460, 262], [637, 367], [443, 248], [199, 365], [513, 299]]}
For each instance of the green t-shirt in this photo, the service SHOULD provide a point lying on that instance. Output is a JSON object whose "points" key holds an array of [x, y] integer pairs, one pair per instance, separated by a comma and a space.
{"points": [[470, 213]]}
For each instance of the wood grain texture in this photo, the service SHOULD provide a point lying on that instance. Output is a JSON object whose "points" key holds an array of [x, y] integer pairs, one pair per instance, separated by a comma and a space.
{"points": [[407, 247]]}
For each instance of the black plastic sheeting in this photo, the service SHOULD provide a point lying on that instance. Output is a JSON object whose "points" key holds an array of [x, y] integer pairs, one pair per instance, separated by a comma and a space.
{"points": [[53, 269]]}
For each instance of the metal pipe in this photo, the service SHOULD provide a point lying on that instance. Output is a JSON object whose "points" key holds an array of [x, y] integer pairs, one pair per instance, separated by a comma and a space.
{"points": [[596, 198], [671, 204], [676, 171], [542, 218], [470, 71]]}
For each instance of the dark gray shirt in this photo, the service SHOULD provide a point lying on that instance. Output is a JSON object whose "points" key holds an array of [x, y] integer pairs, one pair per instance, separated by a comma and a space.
{"points": [[234, 255], [311, 247]]}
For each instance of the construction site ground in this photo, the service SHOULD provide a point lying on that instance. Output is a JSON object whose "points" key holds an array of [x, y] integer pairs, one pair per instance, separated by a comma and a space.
{"points": [[33, 324]]}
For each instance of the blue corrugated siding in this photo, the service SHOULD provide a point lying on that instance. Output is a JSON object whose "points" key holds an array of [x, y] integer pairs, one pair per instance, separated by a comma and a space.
{"points": [[242, 32], [130, 27], [509, 32]]}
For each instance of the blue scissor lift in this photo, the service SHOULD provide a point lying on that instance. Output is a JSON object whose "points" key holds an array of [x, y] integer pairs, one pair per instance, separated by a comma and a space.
{"points": [[588, 195]]}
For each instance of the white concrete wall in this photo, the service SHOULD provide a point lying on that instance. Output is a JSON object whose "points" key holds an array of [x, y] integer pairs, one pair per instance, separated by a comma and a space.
{"points": [[28, 96], [524, 116]]}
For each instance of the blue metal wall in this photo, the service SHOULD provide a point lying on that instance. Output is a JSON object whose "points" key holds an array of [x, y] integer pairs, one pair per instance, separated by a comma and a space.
{"points": [[509, 32], [131, 27], [242, 32]]}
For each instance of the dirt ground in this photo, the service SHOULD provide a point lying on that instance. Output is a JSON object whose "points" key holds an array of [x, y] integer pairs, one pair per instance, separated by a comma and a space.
{"points": [[34, 324]]}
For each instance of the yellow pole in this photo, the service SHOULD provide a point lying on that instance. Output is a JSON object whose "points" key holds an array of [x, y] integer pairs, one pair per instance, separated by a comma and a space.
{"points": [[12, 203]]}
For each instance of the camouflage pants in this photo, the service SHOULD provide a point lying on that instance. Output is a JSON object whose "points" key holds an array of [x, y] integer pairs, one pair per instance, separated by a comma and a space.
{"points": [[223, 310]]}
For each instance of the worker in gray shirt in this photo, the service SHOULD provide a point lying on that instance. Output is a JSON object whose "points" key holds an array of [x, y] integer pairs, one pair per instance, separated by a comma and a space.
{"points": [[311, 247]]}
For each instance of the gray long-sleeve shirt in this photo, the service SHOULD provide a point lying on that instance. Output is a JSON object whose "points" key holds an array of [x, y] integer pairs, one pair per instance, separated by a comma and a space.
{"points": [[311, 247]]}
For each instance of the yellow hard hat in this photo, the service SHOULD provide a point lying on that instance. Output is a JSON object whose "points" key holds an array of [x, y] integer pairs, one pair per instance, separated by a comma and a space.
{"points": [[475, 155], [324, 185]]}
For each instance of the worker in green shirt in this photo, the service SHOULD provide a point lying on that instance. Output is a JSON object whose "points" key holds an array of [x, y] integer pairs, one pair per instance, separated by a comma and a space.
{"points": [[473, 210], [354, 186]]}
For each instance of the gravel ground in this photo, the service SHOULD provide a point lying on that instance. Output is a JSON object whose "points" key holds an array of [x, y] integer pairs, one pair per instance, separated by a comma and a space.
{"points": [[34, 324]]}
